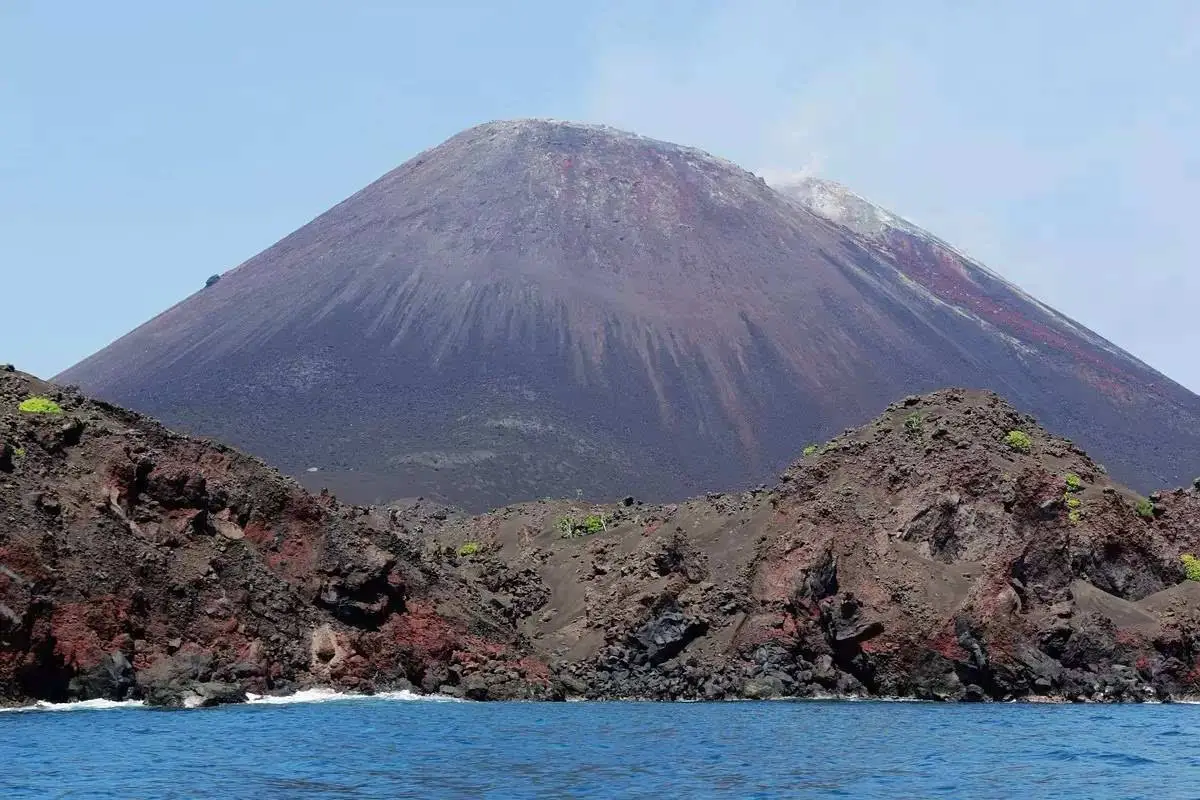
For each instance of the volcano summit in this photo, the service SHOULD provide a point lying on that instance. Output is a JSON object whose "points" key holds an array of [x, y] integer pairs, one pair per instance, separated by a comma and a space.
{"points": [[541, 308]]}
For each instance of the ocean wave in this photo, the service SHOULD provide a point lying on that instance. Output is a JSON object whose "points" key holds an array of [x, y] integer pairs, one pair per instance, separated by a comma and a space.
{"points": [[80, 705], [331, 696], [302, 696]]}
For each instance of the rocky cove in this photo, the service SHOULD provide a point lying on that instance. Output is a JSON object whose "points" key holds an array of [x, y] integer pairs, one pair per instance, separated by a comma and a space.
{"points": [[929, 554]]}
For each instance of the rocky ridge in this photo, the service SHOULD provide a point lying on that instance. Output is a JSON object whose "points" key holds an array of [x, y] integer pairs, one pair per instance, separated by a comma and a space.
{"points": [[951, 549], [135, 562]]}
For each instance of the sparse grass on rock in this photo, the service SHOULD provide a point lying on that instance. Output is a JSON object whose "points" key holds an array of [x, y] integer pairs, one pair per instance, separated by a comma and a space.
{"points": [[39, 405], [1191, 566], [572, 528], [1019, 441]]}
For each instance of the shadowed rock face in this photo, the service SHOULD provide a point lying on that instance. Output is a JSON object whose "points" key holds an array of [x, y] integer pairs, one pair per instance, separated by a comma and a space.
{"points": [[537, 308]]}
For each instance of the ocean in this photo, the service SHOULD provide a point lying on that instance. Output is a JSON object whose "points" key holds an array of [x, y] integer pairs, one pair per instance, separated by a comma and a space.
{"points": [[324, 745]]}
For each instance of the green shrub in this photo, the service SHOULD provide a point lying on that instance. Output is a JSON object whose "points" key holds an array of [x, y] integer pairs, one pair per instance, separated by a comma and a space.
{"points": [[913, 422], [1074, 482], [1073, 502], [469, 549], [1074, 516], [1191, 566], [19, 452], [810, 450], [1019, 441], [572, 528], [40, 405], [1145, 508]]}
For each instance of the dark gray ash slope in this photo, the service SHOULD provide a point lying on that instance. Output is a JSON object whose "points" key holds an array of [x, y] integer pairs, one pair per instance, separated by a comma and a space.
{"points": [[538, 308]]}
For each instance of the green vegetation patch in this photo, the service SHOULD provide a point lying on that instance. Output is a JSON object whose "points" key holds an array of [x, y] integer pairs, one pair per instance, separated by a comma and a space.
{"points": [[572, 528], [1074, 482], [810, 450], [40, 405], [1191, 566], [1073, 502], [914, 423], [1018, 441], [469, 549], [1145, 508], [1074, 516]]}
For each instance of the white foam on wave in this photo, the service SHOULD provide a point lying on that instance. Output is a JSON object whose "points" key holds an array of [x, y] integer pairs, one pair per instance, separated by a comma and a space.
{"points": [[303, 696], [81, 705], [331, 696]]}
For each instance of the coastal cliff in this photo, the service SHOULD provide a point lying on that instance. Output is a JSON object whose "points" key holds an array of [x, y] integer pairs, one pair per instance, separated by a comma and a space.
{"points": [[951, 549]]}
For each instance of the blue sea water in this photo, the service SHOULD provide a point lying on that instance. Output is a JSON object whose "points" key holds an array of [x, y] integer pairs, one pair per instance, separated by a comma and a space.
{"points": [[417, 748]]}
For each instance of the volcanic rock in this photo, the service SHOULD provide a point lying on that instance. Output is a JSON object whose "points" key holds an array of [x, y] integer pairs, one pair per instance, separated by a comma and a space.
{"points": [[120, 579], [538, 308], [901, 559]]}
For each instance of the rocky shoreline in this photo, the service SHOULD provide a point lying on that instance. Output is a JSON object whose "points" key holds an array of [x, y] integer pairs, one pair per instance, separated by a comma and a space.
{"points": [[951, 550]]}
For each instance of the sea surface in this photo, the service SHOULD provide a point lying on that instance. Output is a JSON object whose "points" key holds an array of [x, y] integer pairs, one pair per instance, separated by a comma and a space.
{"points": [[399, 746]]}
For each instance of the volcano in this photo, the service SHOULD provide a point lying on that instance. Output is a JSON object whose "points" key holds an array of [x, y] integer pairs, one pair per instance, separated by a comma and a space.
{"points": [[538, 308]]}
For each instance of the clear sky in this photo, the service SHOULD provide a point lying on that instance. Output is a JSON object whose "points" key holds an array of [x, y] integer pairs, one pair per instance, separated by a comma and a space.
{"points": [[146, 145]]}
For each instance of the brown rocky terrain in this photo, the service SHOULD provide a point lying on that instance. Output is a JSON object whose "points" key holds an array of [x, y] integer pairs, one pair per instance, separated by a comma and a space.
{"points": [[933, 553], [137, 562]]}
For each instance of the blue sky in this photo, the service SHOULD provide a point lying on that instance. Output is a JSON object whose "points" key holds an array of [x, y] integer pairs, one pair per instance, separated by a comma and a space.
{"points": [[146, 145]]}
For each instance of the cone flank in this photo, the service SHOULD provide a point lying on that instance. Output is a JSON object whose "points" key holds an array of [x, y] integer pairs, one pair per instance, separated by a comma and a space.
{"points": [[654, 315]]}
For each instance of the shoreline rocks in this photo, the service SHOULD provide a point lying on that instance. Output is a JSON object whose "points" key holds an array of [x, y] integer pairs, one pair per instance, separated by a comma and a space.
{"points": [[932, 561]]}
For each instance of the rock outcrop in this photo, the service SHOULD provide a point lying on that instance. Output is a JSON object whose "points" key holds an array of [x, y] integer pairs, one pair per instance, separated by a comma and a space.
{"points": [[951, 549], [933, 553], [135, 562]]}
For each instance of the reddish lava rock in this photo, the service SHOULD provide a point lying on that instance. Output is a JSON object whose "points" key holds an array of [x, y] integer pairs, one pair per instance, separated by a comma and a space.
{"points": [[921, 555], [195, 566]]}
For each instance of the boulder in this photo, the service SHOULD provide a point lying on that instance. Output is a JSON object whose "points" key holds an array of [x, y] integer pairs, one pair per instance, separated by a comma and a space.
{"points": [[213, 693], [664, 636], [111, 679], [762, 688]]}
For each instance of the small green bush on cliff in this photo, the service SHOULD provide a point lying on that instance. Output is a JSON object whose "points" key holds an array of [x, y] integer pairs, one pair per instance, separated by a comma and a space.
{"points": [[1074, 482], [1074, 506], [1191, 566], [40, 405], [914, 423], [1145, 508], [810, 450], [572, 528], [469, 549], [1019, 441]]}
